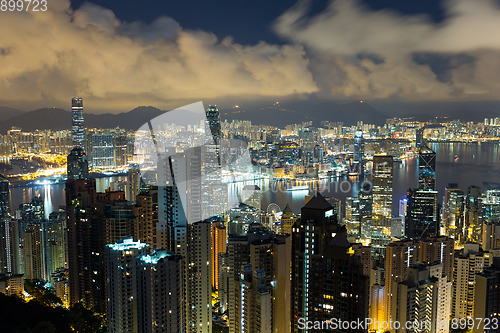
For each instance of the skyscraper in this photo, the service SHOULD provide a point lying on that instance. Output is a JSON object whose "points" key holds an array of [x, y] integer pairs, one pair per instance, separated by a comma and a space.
{"points": [[77, 129], [4, 196], [77, 167], [422, 214], [424, 297], [320, 247], [426, 169], [259, 282], [103, 151], [358, 166], [382, 202], [465, 268], [213, 121], [134, 178], [399, 257], [453, 213], [218, 246]]}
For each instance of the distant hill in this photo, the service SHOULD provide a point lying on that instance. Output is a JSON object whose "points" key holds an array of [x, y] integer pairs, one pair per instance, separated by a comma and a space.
{"points": [[297, 112], [58, 119], [6, 113]]}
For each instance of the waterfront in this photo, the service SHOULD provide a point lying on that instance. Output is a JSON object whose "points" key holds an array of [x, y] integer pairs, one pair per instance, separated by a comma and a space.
{"points": [[462, 163]]}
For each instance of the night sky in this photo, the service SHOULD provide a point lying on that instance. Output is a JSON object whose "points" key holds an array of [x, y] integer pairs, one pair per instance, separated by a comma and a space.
{"points": [[121, 54]]}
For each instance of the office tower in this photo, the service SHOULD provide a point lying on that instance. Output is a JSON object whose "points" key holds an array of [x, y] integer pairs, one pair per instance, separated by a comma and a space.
{"points": [[258, 269], [491, 205], [146, 216], [382, 202], [288, 219], [352, 218], [320, 247], [397, 227], [77, 129], [4, 196], [85, 245], [12, 284], [198, 278], [218, 246], [77, 166], [213, 122], [10, 249], [32, 253], [422, 215], [465, 268], [60, 285], [358, 164], [426, 169], [308, 143], [240, 219], [453, 213], [134, 179], [424, 297], [103, 151], [136, 301], [399, 256], [438, 249]]}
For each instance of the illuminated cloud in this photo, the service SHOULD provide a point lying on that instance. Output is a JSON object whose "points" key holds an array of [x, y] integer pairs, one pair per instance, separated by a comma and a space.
{"points": [[47, 57], [382, 54]]}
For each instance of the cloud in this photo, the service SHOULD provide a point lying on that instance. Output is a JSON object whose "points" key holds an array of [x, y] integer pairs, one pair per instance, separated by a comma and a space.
{"points": [[47, 57], [371, 54]]}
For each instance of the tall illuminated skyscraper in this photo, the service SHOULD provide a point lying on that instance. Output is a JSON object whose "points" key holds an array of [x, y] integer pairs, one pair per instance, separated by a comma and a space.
{"points": [[4, 196], [426, 169], [422, 214], [453, 213], [359, 151], [77, 129], [382, 202], [213, 122]]}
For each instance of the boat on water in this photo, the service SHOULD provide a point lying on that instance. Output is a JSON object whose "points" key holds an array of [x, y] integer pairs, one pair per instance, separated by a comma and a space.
{"points": [[298, 188]]}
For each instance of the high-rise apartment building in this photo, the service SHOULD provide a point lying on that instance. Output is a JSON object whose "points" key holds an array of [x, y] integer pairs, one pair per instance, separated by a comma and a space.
{"points": [[423, 298], [143, 291], [399, 257], [258, 270], [218, 246], [103, 150], [10, 249], [465, 268], [77, 129], [320, 247]]}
